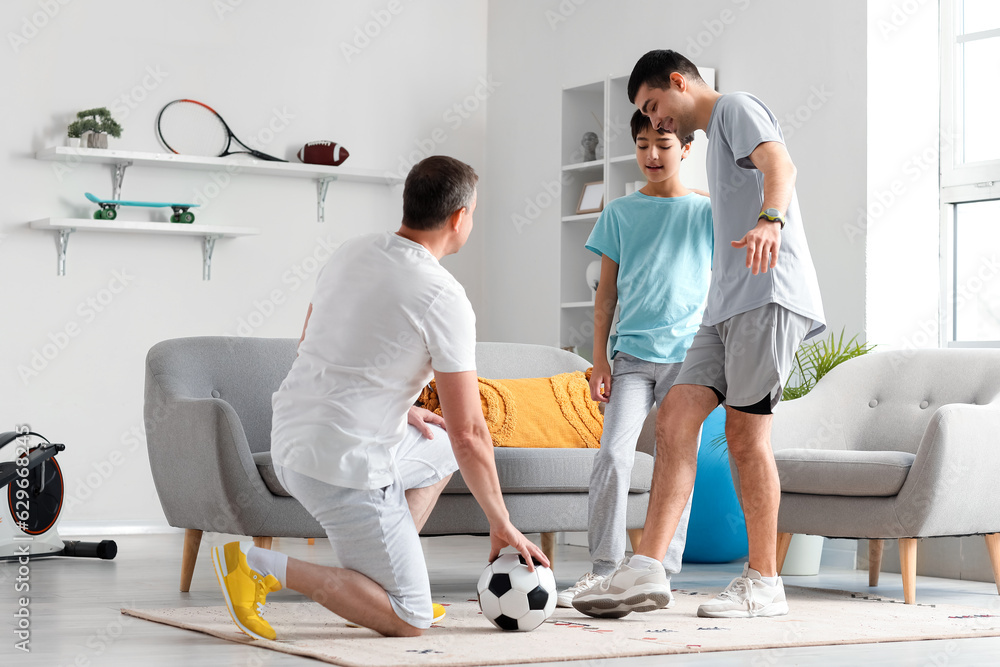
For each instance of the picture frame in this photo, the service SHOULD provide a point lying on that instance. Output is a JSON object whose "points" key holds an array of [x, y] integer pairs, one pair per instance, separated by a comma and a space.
{"points": [[591, 198]]}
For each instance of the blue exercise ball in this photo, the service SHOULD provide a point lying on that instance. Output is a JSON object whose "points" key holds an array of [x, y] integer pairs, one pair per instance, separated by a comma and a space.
{"points": [[717, 530]]}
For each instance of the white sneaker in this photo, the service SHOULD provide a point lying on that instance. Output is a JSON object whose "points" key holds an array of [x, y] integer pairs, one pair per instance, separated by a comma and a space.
{"points": [[565, 598], [628, 589], [747, 596]]}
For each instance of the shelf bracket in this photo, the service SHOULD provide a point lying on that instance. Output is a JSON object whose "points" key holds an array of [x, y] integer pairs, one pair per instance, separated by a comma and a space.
{"points": [[63, 243], [116, 186], [321, 186], [207, 248]]}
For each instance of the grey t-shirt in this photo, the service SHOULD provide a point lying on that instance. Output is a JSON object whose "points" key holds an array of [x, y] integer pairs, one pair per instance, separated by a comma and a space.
{"points": [[738, 124]]}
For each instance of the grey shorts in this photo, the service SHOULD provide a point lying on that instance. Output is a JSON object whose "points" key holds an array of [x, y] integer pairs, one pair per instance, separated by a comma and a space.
{"points": [[748, 357], [371, 530]]}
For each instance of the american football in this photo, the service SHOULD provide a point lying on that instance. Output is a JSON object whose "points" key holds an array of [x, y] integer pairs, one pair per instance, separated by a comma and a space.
{"points": [[323, 152]]}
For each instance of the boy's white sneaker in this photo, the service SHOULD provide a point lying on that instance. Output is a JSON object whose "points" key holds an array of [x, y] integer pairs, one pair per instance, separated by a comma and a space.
{"points": [[565, 598], [747, 596], [628, 589]]}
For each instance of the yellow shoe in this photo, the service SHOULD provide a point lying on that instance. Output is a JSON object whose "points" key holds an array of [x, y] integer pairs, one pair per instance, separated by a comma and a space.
{"points": [[439, 612], [244, 589]]}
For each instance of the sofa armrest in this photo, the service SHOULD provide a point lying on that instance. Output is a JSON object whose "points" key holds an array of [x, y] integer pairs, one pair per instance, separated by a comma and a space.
{"points": [[202, 466], [952, 486]]}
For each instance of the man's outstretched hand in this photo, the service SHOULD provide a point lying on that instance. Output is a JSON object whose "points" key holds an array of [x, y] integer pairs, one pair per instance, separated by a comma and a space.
{"points": [[420, 418], [507, 535], [762, 244]]}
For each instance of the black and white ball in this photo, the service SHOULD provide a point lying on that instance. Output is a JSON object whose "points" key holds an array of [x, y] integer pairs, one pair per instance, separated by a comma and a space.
{"points": [[513, 597]]}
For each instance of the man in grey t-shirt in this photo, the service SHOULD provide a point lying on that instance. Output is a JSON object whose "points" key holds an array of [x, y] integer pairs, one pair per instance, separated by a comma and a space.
{"points": [[762, 303]]}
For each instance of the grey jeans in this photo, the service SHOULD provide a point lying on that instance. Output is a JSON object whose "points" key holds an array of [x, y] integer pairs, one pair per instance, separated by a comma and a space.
{"points": [[635, 386]]}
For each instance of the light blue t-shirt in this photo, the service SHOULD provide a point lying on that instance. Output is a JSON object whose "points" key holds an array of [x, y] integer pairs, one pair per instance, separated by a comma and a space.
{"points": [[739, 123], [663, 248]]}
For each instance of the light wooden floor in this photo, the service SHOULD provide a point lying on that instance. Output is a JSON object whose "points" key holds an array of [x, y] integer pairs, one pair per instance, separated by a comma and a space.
{"points": [[75, 619]]}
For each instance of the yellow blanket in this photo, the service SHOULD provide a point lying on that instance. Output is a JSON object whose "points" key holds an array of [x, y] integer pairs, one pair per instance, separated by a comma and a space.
{"points": [[536, 412]]}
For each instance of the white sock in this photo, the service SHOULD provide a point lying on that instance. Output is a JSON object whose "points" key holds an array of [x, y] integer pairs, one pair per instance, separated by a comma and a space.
{"points": [[268, 562], [641, 562], [770, 581]]}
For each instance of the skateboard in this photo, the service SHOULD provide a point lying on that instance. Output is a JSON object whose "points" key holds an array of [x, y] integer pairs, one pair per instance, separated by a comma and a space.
{"points": [[109, 208]]}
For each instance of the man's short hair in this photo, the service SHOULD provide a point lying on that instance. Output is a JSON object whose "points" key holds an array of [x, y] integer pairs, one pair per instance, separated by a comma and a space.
{"points": [[641, 122], [654, 70], [435, 188]]}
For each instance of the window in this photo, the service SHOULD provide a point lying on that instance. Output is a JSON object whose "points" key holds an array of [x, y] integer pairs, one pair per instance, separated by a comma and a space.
{"points": [[970, 172]]}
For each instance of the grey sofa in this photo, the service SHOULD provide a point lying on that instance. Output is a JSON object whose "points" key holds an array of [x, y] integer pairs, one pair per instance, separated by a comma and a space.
{"points": [[208, 424], [895, 445]]}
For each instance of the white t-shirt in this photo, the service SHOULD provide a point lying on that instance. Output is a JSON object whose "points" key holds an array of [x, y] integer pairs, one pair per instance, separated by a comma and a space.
{"points": [[385, 316]]}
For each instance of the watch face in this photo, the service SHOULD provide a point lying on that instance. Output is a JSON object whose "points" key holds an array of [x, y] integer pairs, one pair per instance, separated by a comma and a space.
{"points": [[772, 213]]}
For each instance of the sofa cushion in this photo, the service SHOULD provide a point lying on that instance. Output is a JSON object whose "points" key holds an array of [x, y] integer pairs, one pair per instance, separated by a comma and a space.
{"points": [[266, 469], [543, 470], [839, 472], [539, 412]]}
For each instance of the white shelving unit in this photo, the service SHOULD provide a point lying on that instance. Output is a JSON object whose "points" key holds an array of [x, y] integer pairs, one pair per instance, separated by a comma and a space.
{"points": [[121, 160], [602, 107], [208, 233]]}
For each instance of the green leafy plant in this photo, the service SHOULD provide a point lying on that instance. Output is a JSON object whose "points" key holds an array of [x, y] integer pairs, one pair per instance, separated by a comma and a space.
{"points": [[812, 362], [94, 120]]}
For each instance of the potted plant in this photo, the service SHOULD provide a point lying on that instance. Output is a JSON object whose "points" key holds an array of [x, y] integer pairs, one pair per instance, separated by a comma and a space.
{"points": [[812, 362], [93, 126]]}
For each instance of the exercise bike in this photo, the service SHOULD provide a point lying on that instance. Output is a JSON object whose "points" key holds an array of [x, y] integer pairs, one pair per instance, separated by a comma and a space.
{"points": [[31, 497]]}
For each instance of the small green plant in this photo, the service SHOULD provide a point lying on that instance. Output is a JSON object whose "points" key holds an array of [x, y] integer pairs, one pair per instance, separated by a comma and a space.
{"points": [[814, 360], [94, 120]]}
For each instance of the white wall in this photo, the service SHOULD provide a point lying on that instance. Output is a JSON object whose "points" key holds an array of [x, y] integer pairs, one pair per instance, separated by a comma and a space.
{"points": [[384, 103], [800, 58], [901, 217]]}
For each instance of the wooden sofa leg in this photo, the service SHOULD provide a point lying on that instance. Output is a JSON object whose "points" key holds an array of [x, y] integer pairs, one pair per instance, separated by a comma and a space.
{"points": [[993, 545], [311, 541], [549, 548], [635, 537], [874, 560], [784, 539], [192, 541], [262, 542], [908, 566]]}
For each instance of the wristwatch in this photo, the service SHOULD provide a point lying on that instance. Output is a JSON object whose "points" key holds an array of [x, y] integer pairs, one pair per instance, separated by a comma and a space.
{"points": [[772, 215]]}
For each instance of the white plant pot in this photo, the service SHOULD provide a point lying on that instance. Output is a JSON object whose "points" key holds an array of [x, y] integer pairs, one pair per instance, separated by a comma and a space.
{"points": [[804, 555]]}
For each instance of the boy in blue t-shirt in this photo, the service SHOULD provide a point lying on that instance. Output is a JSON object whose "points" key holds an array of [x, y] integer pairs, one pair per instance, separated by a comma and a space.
{"points": [[656, 246]]}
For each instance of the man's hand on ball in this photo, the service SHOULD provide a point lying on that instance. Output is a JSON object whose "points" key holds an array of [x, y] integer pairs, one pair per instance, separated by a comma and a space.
{"points": [[507, 535], [762, 244], [420, 418]]}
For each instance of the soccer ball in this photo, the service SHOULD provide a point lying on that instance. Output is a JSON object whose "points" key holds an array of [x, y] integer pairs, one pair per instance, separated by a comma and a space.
{"points": [[514, 598]]}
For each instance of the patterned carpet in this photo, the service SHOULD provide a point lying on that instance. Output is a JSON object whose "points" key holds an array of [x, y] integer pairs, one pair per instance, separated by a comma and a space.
{"points": [[817, 617]]}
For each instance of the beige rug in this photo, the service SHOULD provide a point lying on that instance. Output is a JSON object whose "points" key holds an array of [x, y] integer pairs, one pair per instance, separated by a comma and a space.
{"points": [[818, 617]]}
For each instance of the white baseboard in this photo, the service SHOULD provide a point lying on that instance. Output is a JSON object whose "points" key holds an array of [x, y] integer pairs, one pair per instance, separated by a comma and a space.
{"points": [[139, 527]]}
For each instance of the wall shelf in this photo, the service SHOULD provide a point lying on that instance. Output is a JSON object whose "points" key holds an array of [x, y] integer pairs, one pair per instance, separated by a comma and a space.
{"points": [[209, 234], [593, 164], [578, 304], [121, 160], [581, 217]]}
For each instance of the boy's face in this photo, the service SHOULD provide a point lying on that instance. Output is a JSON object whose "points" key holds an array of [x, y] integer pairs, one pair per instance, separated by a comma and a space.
{"points": [[670, 109], [659, 154]]}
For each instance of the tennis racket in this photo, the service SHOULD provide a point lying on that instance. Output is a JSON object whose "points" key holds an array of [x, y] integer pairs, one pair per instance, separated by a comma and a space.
{"points": [[189, 127]]}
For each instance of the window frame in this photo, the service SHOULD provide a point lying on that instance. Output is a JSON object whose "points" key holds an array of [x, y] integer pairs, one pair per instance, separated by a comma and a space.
{"points": [[959, 184]]}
